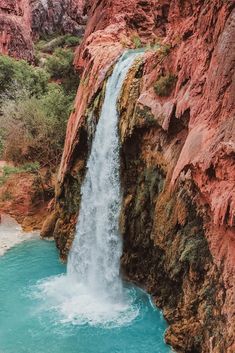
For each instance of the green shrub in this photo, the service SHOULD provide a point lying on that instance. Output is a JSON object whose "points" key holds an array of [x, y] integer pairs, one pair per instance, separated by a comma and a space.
{"points": [[164, 85], [72, 41], [19, 74], [136, 41], [34, 110], [60, 67], [49, 47], [164, 50], [60, 63], [26, 168], [38, 123], [66, 40]]}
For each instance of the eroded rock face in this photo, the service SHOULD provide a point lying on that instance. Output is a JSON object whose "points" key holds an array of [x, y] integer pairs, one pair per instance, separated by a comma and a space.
{"points": [[53, 16], [22, 21], [26, 197], [177, 154], [15, 29]]}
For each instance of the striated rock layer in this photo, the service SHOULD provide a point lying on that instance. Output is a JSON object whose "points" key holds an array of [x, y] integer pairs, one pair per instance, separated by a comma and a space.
{"points": [[177, 154]]}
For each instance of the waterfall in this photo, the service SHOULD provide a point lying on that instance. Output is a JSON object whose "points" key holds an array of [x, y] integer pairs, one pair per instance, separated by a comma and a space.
{"points": [[96, 250], [92, 291]]}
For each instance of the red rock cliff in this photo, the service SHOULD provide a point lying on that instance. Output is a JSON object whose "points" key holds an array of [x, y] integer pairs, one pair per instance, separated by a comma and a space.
{"points": [[178, 165], [53, 16], [22, 21], [15, 29]]}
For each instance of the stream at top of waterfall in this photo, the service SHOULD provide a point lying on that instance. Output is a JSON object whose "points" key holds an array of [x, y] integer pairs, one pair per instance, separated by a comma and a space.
{"points": [[88, 309]]}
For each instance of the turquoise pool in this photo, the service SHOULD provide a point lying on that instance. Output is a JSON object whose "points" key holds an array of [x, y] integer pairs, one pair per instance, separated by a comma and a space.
{"points": [[28, 324]]}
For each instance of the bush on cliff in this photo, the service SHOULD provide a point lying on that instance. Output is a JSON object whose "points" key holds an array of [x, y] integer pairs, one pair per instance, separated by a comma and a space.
{"points": [[136, 41], [26, 168], [60, 63], [164, 85]]}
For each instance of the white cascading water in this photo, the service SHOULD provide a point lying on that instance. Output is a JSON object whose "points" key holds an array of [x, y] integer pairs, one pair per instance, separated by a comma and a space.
{"points": [[95, 254], [92, 292]]}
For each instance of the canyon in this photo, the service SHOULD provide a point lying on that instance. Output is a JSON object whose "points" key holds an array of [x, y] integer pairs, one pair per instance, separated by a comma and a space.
{"points": [[176, 123]]}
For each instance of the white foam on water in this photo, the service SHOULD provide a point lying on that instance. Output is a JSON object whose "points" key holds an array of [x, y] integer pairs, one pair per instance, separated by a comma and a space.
{"points": [[73, 303]]}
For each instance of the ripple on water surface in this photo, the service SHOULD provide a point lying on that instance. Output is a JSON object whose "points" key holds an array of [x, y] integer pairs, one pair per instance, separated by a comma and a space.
{"points": [[41, 311]]}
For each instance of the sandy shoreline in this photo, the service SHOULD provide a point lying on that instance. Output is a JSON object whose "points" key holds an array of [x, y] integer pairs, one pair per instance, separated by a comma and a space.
{"points": [[11, 234]]}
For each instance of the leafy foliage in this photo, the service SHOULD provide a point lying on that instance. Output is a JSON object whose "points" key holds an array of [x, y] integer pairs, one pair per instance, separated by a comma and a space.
{"points": [[60, 63], [34, 109], [38, 123], [21, 74], [60, 67], [9, 170], [72, 41], [26, 168], [49, 45]]}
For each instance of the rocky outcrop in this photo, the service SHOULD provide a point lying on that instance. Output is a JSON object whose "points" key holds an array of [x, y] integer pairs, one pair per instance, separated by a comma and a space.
{"points": [[25, 197], [177, 154], [53, 16], [15, 29], [24, 21]]}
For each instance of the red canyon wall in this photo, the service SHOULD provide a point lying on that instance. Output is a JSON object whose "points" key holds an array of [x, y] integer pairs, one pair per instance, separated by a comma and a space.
{"points": [[15, 29], [22, 21], [177, 154], [53, 16]]}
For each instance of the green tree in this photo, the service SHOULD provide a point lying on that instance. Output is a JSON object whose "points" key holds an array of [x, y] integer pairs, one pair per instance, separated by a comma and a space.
{"points": [[18, 73], [38, 123]]}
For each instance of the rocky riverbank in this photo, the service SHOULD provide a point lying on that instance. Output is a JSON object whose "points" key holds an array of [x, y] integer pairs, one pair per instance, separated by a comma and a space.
{"points": [[25, 196], [12, 234]]}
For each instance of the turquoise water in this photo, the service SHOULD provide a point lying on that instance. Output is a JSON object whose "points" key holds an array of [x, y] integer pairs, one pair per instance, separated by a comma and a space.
{"points": [[28, 325]]}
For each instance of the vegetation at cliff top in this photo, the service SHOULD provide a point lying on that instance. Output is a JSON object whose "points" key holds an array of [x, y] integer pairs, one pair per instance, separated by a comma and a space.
{"points": [[35, 109], [48, 45], [26, 168]]}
